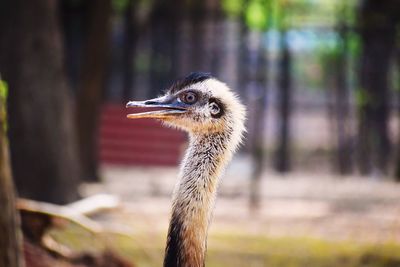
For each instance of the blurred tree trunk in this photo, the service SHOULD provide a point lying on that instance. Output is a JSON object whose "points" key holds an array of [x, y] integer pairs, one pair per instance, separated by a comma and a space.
{"points": [[10, 236], [4, 31], [342, 108], [131, 33], [199, 19], [377, 30], [166, 18], [93, 79], [397, 161], [243, 69], [160, 48], [243, 64], [41, 126], [216, 19], [73, 14], [282, 156], [258, 80]]}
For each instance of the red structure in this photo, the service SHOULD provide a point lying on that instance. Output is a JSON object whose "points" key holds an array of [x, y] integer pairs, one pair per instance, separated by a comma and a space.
{"points": [[140, 142]]}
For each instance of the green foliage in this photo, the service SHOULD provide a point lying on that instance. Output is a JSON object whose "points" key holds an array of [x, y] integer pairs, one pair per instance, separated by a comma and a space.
{"points": [[284, 14], [120, 5], [327, 55], [362, 97], [302, 13], [354, 43], [345, 12], [257, 15], [3, 91], [342, 45], [232, 8], [3, 100]]}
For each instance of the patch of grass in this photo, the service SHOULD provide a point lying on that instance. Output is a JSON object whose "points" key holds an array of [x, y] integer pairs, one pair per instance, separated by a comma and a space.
{"points": [[298, 252], [233, 250]]}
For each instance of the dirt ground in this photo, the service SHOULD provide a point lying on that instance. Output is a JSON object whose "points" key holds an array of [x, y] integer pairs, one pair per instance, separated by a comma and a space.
{"points": [[299, 204]]}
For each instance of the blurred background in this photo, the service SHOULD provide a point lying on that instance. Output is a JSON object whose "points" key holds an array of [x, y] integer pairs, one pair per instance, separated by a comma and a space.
{"points": [[316, 181]]}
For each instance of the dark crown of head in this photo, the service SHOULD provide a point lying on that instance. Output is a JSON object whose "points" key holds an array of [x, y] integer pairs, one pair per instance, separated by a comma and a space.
{"points": [[192, 78]]}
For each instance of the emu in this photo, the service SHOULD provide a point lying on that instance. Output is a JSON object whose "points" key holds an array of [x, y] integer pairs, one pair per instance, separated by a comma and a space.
{"points": [[214, 118]]}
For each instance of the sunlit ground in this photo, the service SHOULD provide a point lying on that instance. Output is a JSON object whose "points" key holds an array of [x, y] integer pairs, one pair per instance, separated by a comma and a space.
{"points": [[303, 220], [238, 249]]}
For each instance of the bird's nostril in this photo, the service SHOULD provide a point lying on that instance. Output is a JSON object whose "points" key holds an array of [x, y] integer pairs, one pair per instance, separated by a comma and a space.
{"points": [[151, 102]]}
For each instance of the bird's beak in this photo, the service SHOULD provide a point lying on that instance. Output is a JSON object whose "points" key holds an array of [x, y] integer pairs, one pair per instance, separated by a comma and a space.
{"points": [[161, 108]]}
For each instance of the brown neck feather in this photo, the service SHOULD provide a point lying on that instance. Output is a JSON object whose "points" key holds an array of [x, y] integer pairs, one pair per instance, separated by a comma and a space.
{"points": [[193, 201]]}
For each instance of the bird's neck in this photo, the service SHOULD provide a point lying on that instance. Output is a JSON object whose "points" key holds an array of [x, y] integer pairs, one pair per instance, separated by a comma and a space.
{"points": [[193, 200]]}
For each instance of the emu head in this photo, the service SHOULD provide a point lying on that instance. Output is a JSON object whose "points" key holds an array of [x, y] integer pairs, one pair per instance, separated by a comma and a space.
{"points": [[198, 104]]}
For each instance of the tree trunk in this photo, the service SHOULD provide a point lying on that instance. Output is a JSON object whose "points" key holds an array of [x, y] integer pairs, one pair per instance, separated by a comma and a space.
{"points": [[93, 79], [282, 156], [166, 22], [216, 19], [254, 68], [258, 94], [73, 20], [197, 19], [243, 68], [397, 162], [42, 136], [377, 30], [10, 236], [130, 35], [342, 109]]}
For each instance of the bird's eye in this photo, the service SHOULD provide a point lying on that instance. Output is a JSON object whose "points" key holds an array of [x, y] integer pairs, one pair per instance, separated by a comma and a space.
{"points": [[217, 108], [189, 97], [214, 108]]}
